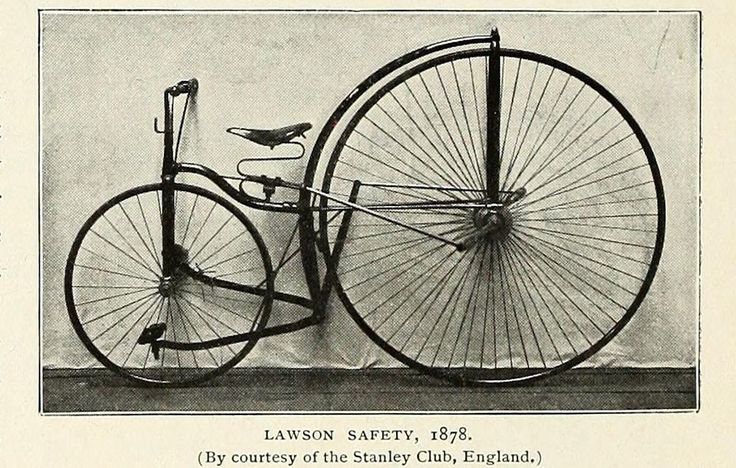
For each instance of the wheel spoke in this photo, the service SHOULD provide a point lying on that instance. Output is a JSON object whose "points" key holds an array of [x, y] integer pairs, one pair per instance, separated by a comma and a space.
{"points": [[467, 176], [185, 317], [145, 244], [449, 167], [137, 300], [138, 304], [114, 296], [154, 311], [152, 306], [543, 267], [148, 230], [436, 169]]}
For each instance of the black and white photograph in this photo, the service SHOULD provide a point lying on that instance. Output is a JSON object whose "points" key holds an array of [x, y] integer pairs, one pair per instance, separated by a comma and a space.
{"points": [[301, 211]]}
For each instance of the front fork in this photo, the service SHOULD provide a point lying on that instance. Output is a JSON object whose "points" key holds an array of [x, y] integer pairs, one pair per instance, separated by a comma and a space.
{"points": [[167, 226], [168, 175]]}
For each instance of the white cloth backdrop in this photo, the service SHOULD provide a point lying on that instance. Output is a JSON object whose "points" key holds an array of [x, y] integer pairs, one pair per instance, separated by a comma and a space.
{"points": [[103, 75]]}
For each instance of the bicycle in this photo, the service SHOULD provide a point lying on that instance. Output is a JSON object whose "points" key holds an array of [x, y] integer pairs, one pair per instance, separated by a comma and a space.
{"points": [[460, 228]]}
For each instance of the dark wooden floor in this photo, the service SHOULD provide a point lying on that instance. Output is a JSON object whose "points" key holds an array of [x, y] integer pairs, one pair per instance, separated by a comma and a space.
{"points": [[320, 390]]}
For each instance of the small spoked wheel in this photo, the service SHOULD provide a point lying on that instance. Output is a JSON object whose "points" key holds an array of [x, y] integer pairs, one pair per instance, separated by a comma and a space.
{"points": [[554, 265], [115, 289]]}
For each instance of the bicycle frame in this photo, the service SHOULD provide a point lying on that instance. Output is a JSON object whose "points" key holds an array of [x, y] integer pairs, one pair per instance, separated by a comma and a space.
{"points": [[172, 261], [460, 283]]}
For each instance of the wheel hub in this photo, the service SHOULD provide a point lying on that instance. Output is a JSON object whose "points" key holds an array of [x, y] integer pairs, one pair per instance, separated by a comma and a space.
{"points": [[486, 225], [492, 224], [167, 285]]}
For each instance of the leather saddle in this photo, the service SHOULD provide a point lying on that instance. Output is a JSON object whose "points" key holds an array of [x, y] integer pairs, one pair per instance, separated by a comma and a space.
{"points": [[274, 137]]}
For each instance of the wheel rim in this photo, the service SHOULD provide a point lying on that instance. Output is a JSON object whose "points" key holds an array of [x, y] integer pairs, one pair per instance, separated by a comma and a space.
{"points": [[114, 286], [557, 289]]}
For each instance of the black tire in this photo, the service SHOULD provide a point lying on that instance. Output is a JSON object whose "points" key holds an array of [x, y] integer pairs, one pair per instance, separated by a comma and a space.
{"points": [[515, 307], [113, 283]]}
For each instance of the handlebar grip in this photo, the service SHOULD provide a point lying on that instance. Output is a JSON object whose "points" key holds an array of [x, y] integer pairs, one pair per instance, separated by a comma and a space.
{"points": [[185, 87], [193, 85], [188, 86]]}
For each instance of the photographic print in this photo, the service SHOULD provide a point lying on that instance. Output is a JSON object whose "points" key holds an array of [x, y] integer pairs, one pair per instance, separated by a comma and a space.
{"points": [[407, 211]]}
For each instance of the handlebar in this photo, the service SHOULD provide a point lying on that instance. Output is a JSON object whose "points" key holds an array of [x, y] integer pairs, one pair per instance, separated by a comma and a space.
{"points": [[184, 87]]}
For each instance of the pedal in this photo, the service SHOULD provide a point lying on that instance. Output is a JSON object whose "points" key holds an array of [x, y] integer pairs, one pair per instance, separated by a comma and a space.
{"points": [[152, 333]]}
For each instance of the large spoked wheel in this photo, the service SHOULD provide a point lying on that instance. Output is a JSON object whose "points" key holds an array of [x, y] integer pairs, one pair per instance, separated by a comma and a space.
{"points": [[115, 288], [547, 278]]}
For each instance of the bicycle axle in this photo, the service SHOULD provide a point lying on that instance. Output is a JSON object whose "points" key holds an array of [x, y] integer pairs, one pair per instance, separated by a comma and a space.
{"points": [[491, 224]]}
